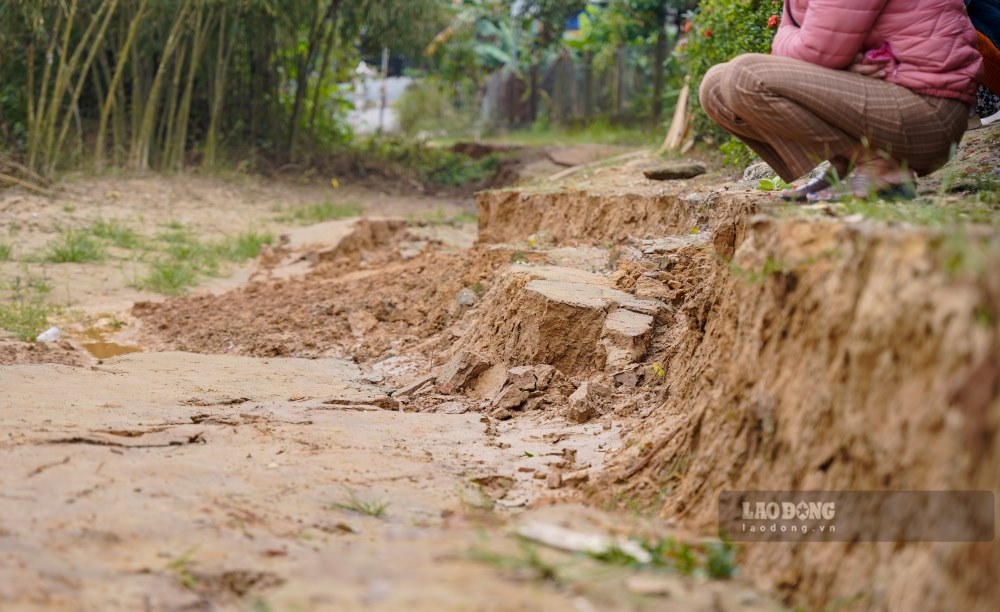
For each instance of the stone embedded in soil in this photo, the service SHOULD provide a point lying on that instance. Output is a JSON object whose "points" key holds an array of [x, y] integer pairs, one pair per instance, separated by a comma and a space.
{"points": [[510, 398], [361, 322], [461, 371], [589, 401], [675, 171], [415, 387], [626, 337]]}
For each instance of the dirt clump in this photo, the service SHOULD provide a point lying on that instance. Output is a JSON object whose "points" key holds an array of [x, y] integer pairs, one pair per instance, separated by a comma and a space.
{"points": [[62, 353]]}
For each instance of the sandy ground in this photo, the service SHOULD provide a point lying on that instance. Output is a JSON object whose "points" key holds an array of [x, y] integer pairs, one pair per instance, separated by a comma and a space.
{"points": [[269, 479]]}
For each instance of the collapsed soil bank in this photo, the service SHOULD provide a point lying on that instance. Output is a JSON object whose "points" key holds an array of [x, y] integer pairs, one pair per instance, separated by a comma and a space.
{"points": [[831, 356]]}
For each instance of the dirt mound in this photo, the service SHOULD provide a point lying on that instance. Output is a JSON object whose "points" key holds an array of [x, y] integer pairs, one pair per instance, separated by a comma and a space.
{"points": [[365, 314], [827, 356], [62, 353]]}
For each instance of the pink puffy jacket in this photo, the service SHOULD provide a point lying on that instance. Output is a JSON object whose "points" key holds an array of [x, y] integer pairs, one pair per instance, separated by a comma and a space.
{"points": [[933, 40]]}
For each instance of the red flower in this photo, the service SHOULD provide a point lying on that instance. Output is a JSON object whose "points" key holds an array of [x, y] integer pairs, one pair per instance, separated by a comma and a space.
{"points": [[708, 33], [772, 21], [686, 27]]}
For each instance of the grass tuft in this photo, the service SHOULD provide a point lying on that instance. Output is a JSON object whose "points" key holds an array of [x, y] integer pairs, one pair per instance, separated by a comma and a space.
{"points": [[245, 246], [320, 212], [6, 251], [26, 318], [74, 246], [169, 277], [370, 507], [116, 233]]}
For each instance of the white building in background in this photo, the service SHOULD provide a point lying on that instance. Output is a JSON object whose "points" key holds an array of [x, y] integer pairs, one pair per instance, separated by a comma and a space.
{"points": [[367, 99]]}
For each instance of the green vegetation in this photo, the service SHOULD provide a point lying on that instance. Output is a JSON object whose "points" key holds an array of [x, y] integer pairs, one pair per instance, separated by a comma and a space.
{"points": [[320, 212], [25, 313], [74, 246], [428, 165], [144, 84], [439, 216], [184, 260], [6, 251], [246, 245], [715, 560], [772, 184], [182, 565], [116, 233], [26, 318], [369, 507]]}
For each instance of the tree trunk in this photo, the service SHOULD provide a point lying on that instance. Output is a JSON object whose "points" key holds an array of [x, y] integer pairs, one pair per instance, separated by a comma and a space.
{"points": [[113, 87], [659, 58], [140, 154]]}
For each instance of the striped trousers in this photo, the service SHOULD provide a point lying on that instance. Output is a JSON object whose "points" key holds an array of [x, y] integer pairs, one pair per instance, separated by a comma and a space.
{"points": [[795, 115]]}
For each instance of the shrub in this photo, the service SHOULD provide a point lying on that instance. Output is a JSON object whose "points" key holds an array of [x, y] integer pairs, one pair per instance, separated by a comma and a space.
{"points": [[717, 32], [429, 105]]}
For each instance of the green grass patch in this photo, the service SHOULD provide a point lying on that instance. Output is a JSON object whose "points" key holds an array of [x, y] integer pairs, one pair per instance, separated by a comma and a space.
{"points": [[320, 212], [6, 252], [116, 233], [169, 277], [74, 246], [184, 259], [245, 246], [928, 212], [26, 317], [593, 132], [439, 216]]}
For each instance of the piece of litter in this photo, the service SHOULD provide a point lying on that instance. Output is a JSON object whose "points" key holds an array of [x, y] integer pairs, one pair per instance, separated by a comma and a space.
{"points": [[575, 541], [52, 334]]}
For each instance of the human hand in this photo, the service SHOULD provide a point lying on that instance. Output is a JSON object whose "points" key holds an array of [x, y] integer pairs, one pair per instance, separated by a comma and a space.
{"points": [[875, 70]]}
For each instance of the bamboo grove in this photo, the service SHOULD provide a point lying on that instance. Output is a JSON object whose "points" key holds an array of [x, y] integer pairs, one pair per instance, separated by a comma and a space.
{"points": [[165, 84]]}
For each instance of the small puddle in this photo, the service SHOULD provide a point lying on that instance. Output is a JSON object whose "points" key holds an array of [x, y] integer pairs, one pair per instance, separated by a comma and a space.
{"points": [[106, 350]]}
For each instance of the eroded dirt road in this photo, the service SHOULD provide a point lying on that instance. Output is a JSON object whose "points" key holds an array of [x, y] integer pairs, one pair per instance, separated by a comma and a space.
{"points": [[277, 474]]}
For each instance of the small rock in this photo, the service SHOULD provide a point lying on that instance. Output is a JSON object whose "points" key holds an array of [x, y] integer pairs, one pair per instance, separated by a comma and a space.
{"points": [[588, 401], [653, 586], [373, 378], [361, 322], [463, 369], [523, 378], [629, 378], [575, 478], [569, 454], [540, 476], [758, 172], [453, 408], [467, 297], [554, 480], [503, 415], [510, 398], [675, 170], [414, 387]]}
